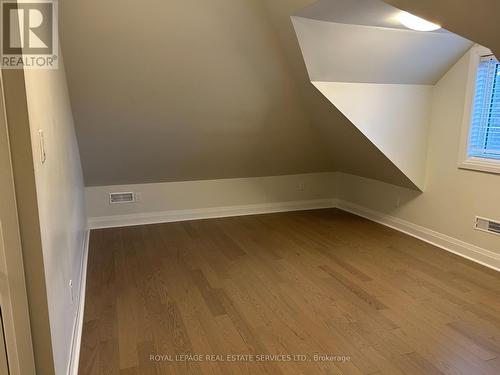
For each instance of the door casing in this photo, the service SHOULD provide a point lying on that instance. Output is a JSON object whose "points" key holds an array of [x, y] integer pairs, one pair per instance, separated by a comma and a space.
{"points": [[13, 296]]}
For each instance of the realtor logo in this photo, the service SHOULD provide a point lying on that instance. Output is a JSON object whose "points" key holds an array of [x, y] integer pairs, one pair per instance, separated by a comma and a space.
{"points": [[29, 34]]}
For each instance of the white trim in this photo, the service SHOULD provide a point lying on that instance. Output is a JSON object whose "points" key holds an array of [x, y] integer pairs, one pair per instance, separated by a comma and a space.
{"points": [[464, 161], [206, 213], [13, 293], [474, 253], [481, 164], [78, 326]]}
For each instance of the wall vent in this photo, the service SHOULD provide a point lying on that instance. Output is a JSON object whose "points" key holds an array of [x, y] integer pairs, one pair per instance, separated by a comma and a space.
{"points": [[126, 197], [487, 225]]}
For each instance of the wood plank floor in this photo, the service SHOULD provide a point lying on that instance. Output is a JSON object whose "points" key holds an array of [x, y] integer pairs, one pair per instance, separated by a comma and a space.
{"points": [[217, 296]]}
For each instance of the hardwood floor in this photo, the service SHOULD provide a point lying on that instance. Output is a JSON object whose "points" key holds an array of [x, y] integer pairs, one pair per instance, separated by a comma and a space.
{"points": [[307, 283]]}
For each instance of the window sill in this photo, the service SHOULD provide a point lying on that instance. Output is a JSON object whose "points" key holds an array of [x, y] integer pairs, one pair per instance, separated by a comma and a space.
{"points": [[480, 164]]}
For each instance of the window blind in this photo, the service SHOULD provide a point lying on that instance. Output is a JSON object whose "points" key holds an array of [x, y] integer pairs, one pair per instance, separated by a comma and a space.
{"points": [[484, 137]]}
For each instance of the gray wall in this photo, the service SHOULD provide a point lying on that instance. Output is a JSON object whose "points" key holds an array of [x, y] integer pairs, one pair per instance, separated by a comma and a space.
{"points": [[194, 89]]}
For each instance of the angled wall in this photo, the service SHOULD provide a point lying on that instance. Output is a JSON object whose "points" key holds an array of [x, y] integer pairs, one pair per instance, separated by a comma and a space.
{"points": [[394, 117], [183, 90], [377, 73]]}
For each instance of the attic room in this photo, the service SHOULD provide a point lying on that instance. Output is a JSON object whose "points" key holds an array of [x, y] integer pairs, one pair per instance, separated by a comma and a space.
{"points": [[249, 187]]}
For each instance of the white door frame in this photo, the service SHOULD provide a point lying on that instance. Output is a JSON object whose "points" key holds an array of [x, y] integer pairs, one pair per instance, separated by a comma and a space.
{"points": [[13, 297]]}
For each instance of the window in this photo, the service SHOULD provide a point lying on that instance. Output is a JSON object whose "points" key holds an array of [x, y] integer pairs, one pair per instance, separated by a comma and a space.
{"points": [[481, 135], [484, 134]]}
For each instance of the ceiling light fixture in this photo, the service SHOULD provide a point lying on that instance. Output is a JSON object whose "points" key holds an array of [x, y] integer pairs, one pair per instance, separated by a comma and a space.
{"points": [[416, 23]]}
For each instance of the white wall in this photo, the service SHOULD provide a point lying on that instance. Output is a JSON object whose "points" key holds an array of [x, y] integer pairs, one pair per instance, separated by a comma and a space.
{"points": [[205, 198], [61, 205], [453, 197], [394, 117]]}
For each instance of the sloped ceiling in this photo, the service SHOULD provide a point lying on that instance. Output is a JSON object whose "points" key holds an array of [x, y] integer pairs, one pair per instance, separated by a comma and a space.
{"points": [[194, 89], [339, 52], [378, 73], [182, 90]]}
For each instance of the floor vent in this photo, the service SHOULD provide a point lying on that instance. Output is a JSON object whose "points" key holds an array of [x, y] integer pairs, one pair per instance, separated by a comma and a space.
{"points": [[487, 225], [127, 197]]}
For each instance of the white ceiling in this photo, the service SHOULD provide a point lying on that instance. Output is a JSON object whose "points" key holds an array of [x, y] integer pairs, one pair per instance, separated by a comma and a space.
{"points": [[353, 12], [360, 41]]}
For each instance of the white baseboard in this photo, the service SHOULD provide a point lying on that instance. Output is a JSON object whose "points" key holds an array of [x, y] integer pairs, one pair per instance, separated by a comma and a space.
{"points": [[78, 326], [476, 254], [206, 213]]}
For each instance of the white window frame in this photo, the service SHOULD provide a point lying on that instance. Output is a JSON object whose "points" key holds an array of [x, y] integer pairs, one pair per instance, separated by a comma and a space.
{"points": [[464, 160]]}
